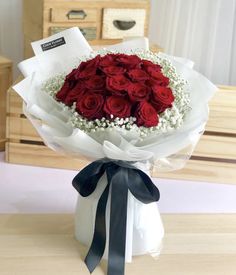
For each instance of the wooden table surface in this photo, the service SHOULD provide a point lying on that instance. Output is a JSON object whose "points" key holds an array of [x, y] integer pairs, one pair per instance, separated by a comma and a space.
{"points": [[44, 244]]}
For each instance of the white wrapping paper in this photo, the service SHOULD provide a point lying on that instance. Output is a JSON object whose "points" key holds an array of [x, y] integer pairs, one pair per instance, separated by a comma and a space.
{"points": [[166, 151], [144, 230]]}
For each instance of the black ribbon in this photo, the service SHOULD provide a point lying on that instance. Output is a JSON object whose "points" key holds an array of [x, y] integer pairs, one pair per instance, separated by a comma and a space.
{"points": [[121, 177]]}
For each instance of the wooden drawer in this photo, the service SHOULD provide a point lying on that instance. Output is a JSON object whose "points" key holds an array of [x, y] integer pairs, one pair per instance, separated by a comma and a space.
{"points": [[73, 14], [39, 16], [119, 23], [89, 33]]}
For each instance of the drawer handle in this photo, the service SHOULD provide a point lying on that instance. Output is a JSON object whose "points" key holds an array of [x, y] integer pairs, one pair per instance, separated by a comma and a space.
{"points": [[124, 25], [76, 14]]}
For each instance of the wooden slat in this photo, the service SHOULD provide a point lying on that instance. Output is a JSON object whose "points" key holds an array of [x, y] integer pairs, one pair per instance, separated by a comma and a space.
{"points": [[45, 244], [216, 147], [39, 155], [199, 223], [223, 112], [199, 170], [21, 128], [15, 103], [209, 146], [227, 87], [194, 170]]}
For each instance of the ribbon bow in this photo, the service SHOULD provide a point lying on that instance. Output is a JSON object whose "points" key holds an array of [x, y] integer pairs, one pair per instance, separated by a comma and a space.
{"points": [[121, 177]]}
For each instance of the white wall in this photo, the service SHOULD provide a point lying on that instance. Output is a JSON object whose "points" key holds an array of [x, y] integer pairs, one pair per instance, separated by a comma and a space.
{"points": [[202, 30], [11, 37]]}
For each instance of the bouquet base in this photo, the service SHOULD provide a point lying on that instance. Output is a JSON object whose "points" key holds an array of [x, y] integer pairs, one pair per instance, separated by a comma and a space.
{"points": [[144, 230]]}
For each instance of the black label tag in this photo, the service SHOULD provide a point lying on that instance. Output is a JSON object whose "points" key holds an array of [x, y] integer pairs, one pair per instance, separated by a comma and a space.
{"points": [[53, 44]]}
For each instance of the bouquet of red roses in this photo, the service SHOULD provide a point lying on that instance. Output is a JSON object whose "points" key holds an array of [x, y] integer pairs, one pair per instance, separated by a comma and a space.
{"points": [[127, 110], [118, 85], [139, 93]]}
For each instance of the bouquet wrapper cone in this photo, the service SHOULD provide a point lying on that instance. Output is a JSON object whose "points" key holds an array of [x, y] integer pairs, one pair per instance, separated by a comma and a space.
{"points": [[144, 229]]}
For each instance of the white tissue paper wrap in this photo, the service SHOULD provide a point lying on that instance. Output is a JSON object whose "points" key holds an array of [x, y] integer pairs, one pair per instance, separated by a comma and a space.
{"points": [[166, 151]]}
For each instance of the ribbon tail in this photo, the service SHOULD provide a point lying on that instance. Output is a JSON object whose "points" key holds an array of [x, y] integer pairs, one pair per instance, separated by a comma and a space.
{"points": [[118, 217], [97, 247]]}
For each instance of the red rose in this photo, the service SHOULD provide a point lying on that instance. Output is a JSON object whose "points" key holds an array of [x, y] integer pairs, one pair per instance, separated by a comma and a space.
{"points": [[128, 61], [117, 106], [86, 72], [146, 63], [162, 98], [91, 62], [71, 75], [113, 70], [62, 93], [151, 82], [88, 68], [146, 115], [156, 83], [71, 78], [95, 83], [90, 106], [107, 60], [75, 94], [138, 75], [158, 76], [138, 92], [117, 84]]}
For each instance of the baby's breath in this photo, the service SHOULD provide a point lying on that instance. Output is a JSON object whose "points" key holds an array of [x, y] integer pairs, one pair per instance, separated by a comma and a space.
{"points": [[54, 84]]}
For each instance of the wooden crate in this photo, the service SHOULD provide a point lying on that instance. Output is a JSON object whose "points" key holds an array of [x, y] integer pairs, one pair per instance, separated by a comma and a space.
{"points": [[42, 18], [214, 158], [5, 83]]}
